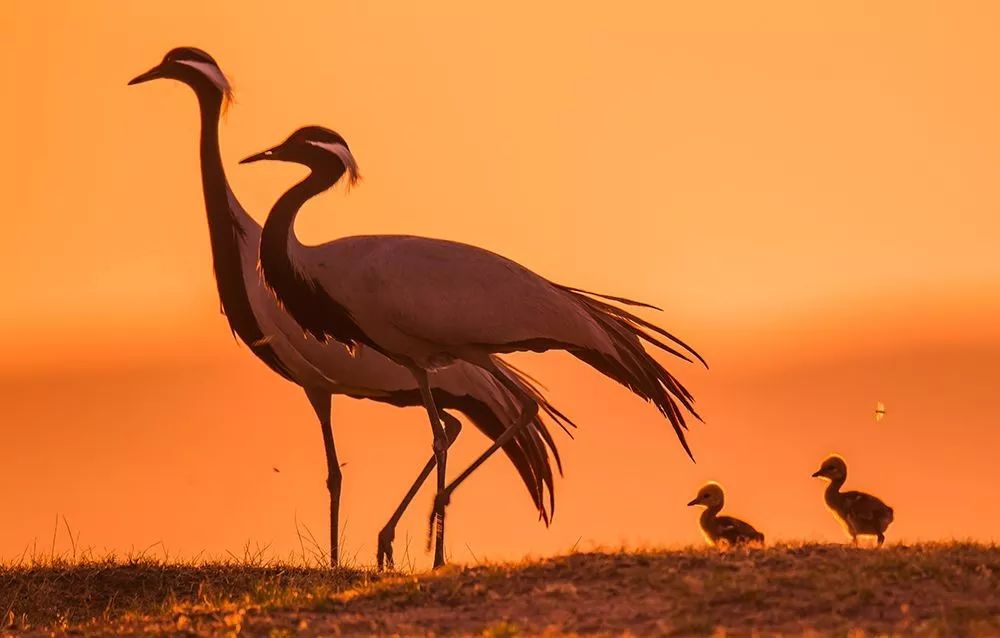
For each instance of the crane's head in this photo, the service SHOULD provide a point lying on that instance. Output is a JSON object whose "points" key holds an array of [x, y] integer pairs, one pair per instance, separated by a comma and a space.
{"points": [[193, 67], [833, 468], [322, 150], [710, 495]]}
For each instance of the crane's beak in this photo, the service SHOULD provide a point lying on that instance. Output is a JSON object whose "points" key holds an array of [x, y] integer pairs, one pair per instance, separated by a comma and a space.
{"points": [[265, 155], [151, 74], [693, 502]]}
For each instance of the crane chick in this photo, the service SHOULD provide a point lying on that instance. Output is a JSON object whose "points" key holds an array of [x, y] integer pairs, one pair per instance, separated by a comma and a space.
{"points": [[861, 514], [722, 529]]}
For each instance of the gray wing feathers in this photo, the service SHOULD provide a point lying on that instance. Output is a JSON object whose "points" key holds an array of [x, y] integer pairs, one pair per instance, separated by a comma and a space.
{"points": [[498, 301], [436, 300]]}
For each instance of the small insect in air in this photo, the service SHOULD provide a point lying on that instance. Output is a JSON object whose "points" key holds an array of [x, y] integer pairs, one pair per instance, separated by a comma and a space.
{"points": [[879, 411], [276, 470]]}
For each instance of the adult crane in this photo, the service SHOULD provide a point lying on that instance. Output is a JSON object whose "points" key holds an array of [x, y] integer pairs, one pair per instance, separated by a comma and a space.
{"points": [[325, 369], [429, 303]]}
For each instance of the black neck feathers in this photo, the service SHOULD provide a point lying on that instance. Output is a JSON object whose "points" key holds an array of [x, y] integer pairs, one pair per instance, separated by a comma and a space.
{"points": [[229, 227], [303, 296]]}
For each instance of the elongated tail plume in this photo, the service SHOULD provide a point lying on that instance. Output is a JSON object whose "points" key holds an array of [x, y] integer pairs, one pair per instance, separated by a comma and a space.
{"points": [[634, 367]]}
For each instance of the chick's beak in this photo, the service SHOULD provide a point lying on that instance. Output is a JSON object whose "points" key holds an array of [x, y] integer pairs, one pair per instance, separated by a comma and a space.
{"points": [[817, 473], [264, 155], [693, 502], [151, 74]]}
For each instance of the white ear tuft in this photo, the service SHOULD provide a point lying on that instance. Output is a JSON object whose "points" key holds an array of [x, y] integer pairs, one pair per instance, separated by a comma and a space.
{"points": [[211, 72], [345, 155]]}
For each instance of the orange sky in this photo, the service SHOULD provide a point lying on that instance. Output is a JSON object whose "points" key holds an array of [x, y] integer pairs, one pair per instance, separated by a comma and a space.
{"points": [[810, 193]]}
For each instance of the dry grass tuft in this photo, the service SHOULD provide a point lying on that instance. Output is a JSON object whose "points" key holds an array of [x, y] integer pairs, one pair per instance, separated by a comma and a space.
{"points": [[928, 589], [109, 595]]}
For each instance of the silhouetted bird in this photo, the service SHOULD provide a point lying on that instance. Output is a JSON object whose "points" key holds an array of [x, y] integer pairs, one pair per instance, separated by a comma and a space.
{"points": [[325, 369], [727, 529], [861, 514], [427, 303]]}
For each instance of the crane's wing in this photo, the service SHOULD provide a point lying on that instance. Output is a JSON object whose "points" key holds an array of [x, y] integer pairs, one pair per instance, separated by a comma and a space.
{"points": [[447, 293], [434, 300]]}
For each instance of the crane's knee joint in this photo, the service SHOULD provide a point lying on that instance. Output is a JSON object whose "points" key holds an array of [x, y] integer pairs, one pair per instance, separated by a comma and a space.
{"points": [[440, 445]]}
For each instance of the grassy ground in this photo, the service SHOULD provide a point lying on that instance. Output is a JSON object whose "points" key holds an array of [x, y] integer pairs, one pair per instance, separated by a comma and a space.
{"points": [[939, 589]]}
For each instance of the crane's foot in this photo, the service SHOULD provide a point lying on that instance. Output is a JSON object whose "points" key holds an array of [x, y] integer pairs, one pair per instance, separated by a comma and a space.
{"points": [[385, 539]]}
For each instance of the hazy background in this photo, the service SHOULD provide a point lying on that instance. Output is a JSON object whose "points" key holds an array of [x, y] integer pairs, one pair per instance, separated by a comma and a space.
{"points": [[810, 193]]}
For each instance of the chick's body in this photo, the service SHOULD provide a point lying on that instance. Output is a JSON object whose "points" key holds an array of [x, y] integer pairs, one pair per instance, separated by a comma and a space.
{"points": [[861, 514], [722, 529]]}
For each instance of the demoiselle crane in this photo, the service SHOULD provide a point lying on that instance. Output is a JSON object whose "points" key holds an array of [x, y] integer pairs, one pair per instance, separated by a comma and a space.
{"points": [[324, 369], [428, 303]]}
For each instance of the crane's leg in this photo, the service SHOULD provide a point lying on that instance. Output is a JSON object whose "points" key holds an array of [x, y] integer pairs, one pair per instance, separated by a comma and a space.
{"points": [[452, 427], [321, 403], [881, 539], [529, 409], [440, 447]]}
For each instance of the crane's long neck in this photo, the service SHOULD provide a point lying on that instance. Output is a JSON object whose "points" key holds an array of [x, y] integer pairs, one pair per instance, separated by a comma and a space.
{"points": [[234, 237], [225, 215], [299, 290], [278, 241], [278, 245]]}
